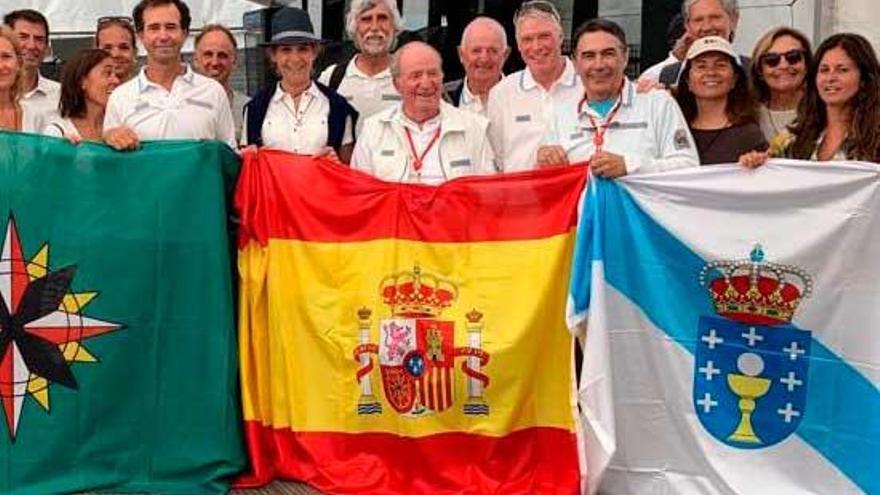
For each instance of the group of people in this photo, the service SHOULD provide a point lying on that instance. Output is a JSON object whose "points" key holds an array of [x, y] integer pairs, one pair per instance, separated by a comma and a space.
{"points": [[387, 111]]}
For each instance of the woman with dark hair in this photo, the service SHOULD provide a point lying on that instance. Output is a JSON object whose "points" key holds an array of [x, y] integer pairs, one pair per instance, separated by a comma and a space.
{"points": [[839, 116], [778, 77], [714, 97], [86, 82]]}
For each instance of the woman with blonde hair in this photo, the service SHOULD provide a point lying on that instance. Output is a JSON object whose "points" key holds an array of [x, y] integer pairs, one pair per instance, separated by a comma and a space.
{"points": [[778, 76], [13, 116]]}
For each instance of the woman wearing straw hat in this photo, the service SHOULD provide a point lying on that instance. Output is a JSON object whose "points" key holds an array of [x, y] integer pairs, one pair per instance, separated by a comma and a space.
{"points": [[298, 114]]}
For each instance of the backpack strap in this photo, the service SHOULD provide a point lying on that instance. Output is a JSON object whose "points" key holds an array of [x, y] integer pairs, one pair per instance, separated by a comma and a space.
{"points": [[338, 73]]}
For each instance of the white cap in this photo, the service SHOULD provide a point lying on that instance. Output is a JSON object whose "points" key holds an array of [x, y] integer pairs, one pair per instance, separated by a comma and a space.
{"points": [[707, 45], [711, 44]]}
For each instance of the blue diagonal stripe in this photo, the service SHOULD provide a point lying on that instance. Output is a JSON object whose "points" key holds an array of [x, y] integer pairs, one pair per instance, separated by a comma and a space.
{"points": [[660, 274]]}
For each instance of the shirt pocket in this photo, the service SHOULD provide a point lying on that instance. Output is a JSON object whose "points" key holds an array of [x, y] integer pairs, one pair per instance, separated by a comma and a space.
{"points": [[389, 162]]}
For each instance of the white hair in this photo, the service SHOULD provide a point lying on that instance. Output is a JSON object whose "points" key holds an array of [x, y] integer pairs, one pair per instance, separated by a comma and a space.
{"points": [[538, 9], [730, 6], [358, 7], [394, 67], [488, 21]]}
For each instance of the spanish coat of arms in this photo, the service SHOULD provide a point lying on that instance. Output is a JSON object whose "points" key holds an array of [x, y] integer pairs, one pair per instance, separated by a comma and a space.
{"points": [[417, 350]]}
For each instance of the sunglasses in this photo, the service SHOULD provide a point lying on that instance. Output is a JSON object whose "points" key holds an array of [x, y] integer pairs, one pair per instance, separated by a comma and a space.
{"points": [[114, 19], [542, 6], [793, 57]]}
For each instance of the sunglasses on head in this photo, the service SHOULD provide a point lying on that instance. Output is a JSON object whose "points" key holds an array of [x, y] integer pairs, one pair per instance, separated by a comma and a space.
{"points": [[542, 6], [114, 19], [793, 57]]}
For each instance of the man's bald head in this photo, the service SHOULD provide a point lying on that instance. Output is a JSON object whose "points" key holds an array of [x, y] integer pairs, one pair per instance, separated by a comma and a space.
{"points": [[483, 51], [414, 50], [484, 27]]}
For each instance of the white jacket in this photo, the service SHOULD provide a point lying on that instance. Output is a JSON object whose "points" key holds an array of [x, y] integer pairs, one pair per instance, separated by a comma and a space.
{"points": [[463, 147], [649, 131]]}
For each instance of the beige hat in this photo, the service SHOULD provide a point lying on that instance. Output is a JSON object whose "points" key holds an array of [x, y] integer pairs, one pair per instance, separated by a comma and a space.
{"points": [[706, 45], [710, 44]]}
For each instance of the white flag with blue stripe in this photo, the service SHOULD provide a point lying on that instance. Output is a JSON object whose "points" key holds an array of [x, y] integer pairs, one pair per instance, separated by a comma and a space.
{"points": [[732, 338]]}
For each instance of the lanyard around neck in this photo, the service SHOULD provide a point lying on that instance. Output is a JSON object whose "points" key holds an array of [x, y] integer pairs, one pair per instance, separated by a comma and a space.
{"points": [[418, 159], [599, 134]]}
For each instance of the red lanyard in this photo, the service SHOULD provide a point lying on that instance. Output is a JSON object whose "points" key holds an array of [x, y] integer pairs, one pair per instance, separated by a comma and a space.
{"points": [[417, 158], [599, 134]]}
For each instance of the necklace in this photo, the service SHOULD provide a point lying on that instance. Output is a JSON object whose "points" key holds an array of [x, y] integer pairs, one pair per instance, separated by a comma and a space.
{"points": [[776, 127], [299, 116]]}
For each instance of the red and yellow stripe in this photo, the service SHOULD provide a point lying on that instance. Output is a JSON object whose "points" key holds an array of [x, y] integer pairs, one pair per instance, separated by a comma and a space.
{"points": [[318, 240]]}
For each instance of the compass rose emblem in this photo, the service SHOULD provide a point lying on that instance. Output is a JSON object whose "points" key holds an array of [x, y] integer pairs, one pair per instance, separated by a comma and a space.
{"points": [[42, 327]]}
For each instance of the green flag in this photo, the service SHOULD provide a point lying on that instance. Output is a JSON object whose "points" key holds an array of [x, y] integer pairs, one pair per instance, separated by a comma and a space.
{"points": [[117, 336]]}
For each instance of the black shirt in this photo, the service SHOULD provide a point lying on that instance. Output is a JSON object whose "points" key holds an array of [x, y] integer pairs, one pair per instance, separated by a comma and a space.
{"points": [[726, 145]]}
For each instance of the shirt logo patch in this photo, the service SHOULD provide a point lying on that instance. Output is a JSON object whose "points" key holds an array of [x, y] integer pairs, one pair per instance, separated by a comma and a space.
{"points": [[576, 135], [199, 103], [141, 105], [680, 140], [629, 125], [387, 153], [390, 97], [464, 162], [523, 118]]}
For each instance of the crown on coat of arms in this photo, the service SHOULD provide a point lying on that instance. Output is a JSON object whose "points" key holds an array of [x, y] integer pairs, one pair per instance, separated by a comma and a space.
{"points": [[756, 291], [417, 294]]}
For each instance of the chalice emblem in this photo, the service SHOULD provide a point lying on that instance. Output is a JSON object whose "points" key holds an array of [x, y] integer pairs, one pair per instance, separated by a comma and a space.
{"points": [[751, 362], [748, 386]]}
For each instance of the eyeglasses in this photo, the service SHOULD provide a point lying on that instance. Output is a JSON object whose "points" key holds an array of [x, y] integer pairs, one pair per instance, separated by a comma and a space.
{"points": [[114, 19], [793, 57], [542, 6]]}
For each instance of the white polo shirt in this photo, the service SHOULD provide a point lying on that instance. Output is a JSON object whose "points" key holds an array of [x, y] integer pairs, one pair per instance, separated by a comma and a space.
{"points": [[521, 115], [468, 101], [197, 107], [648, 129], [367, 94], [41, 103], [298, 129]]}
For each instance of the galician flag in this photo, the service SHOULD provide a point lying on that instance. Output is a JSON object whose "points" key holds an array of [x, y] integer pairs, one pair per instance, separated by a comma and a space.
{"points": [[117, 344], [405, 339], [731, 322]]}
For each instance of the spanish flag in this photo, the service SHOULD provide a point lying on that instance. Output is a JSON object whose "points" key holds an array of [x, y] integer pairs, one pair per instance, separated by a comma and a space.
{"points": [[407, 339]]}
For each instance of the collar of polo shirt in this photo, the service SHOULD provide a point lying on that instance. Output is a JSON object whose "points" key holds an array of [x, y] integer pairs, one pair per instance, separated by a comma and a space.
{"points": [[627, 93], [144, 83], [447, 124], [279, 91], [43, 85], [568, 78], [353, 70]]}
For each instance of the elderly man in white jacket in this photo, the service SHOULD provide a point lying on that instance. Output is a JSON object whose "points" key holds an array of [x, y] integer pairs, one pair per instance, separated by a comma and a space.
{"points": [[422, 139]]}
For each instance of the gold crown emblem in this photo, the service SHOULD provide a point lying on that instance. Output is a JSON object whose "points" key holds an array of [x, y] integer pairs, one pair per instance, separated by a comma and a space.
{"points": [[474, 316], [754, 291], [417, 294]]}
